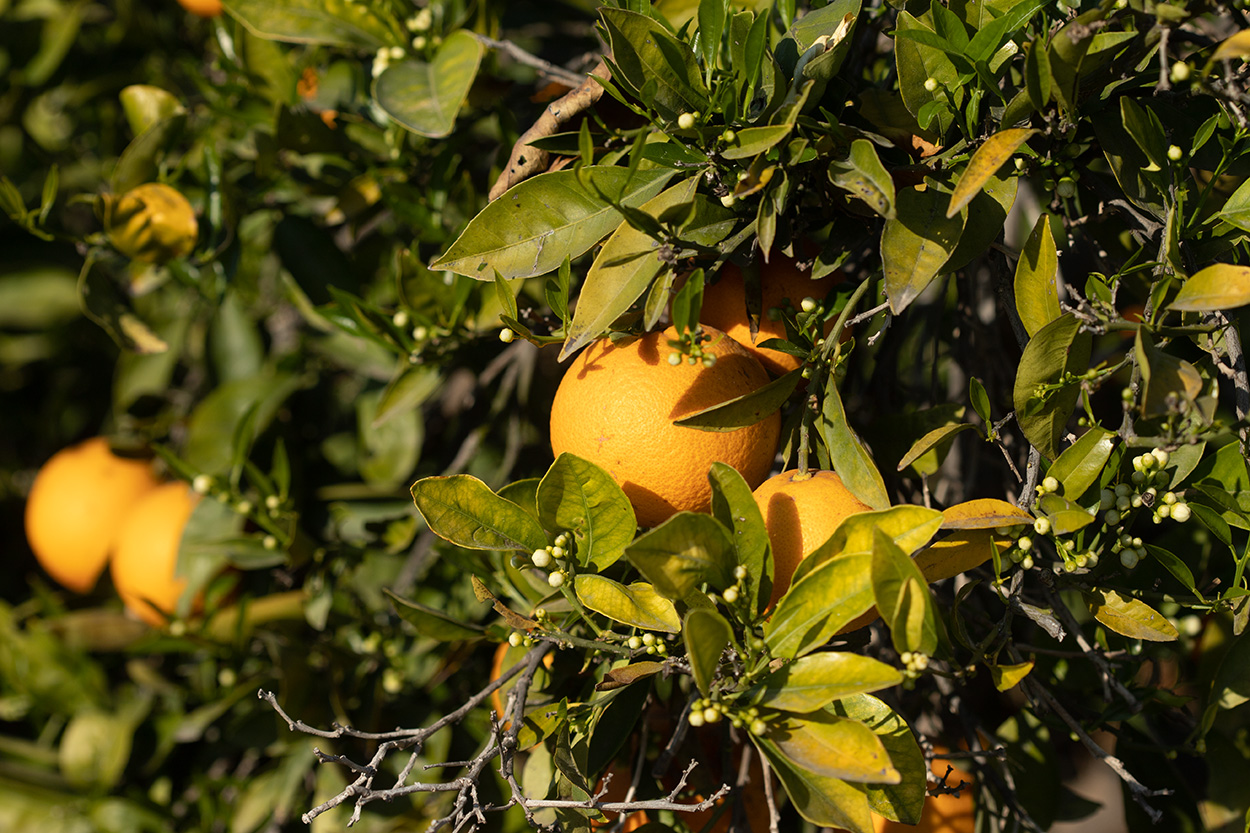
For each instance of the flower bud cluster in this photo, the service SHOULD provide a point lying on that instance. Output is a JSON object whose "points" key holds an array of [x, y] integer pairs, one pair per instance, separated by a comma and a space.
{"points": [[551, 555], [648, 643], [1147, 488], [691, 347], [708, 711], [914, 664]]}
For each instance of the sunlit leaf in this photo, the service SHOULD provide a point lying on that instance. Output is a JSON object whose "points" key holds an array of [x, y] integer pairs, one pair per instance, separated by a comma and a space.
{"points": [[984, 513], [744, 410], [644, 52], [850, 457], [425, 96], [637, 605], [682, 553], [1009, 676], [579, 497], [824, 801], [902, 596], [1043, 403], [735, 507], [329, 22], [1066, 516], [463, 510], [835, 747], [902, 802], [707, 634], [862, 175], [959, 552], [1167, 381], [831, 594], [1217, 287], [916, 244], [1130, 617], [1036, 282], [1080, 465], [989, 157], [816, 680]]}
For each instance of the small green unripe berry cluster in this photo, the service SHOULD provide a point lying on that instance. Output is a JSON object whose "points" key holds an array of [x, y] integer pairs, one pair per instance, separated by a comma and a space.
{"points": [[734, 592], [707, 712], [691, 348], [546, 557], [687, 120], [648, 643]]}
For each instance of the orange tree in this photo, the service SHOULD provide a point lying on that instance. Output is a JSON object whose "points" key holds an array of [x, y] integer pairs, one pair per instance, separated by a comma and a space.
{"points": [[326, 262]]}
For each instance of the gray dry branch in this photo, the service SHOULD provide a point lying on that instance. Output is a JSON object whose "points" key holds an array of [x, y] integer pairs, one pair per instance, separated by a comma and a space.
{"points": [[468, 810]]}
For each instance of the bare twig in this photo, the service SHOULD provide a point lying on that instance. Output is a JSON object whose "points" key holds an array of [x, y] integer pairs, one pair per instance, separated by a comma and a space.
{"points": [[545, 68], [525, 160]]}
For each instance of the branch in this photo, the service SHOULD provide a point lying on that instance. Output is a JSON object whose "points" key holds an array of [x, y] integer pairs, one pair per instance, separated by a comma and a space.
{"points": [[545, 68]]}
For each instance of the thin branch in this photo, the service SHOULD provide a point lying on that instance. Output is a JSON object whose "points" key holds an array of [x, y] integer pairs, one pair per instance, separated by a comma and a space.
{"points": [[545, 68]]}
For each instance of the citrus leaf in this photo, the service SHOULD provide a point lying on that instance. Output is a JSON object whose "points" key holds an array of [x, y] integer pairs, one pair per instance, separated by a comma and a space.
{"points": [[1236, 46], [910, 527], [744, 410], [637, 605], [1174, 564], [707, 635], [902, 596], [984, 219], [1067, 50], [329, 22], [1166, 380], [620, 677], [145, 105], [425, 97], [463, 510], [816, 680], [660, 68], [1220, 286], [1058, 348], [902, 802], [140, 162], [1236, 210], [829, 596], [621, 272], [682, 553], [850, 458], [824, 801], [1036, 282], [958, 553], [736, 509], [1130, 617], [835, 747], [1080, 465], [939, 439], [431, 623], [1065, 516], [752, 141], [984, 513], [577, 496], [862, 175], [1037, 75], [916, 244], [917, 63], [1009, 676], [540, 221], [108, 307], [1231, 687], [991, 156]]}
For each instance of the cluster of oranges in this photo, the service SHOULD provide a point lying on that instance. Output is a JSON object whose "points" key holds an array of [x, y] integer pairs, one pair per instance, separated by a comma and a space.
{"points": [[89, 509], [617, 403]]}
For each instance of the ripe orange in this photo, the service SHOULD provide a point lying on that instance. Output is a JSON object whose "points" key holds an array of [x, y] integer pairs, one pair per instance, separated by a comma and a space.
{"points": [[616, 406], [147, 552], [800, 514], [202, 8], [76, 506], [152, 223], [725, 306]]}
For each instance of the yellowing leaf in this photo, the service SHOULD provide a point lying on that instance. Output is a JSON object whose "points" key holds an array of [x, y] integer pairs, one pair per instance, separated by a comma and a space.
{"points": [[984, 513], [1220, 286], [916, 244], [1131, 617], [1037, 291], [984, 164], [1009, 676], [958, 553], [835, 747], [1238, 46], [638, 604]]}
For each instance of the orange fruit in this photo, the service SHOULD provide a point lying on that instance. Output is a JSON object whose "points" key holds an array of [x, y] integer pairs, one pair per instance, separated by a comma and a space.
{"points": [[152, 223], [616, 404], [942, 813], [800, 513], [725, 306], [147, 552], [75, 509], [202, 8]]}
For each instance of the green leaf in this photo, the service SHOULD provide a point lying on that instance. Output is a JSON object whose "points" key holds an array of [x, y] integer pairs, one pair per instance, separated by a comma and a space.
{"points": [[1130, 617], [744, 410], [1217, 287], [939, 440], [916, 244], [1058, 348], [647, 56], [94, 749], [431, 623], [1036, 283], [851, 458], [834, 747], [1067, 50], [991, 156], [624, 268], [985, 218], [1080, 465], [540, 221], [1038, 80], [463, 510], [712, 15], [1167, 381], [910, 527], [683, 552], [425, 97], [824, 801], [707, 634], [1173, 564], [862, 175], [1231, 687], [1065, 516], [831, 593], [637, 605], [816, 680], [105, 304], [735, 507], [1146, 130], [141, 161], [902, 802], [1236, 210], [917, 62], [902, 596], [752, 141], [329, 22], [578, 496], [980, 400], [210, 440], [145, 105]]}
